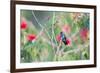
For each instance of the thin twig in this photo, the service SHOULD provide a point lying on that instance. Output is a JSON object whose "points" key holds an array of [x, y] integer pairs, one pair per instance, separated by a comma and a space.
{"points": [[53, 22], [41, 25], [39, 34], [37, 20], [58, 49]]}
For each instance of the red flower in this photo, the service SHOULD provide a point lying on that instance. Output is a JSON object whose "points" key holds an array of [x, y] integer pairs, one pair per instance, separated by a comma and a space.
{"points": [[84, 34], [58, 37], [23, 25], [66, 28], [68, 42], [31, 37]]}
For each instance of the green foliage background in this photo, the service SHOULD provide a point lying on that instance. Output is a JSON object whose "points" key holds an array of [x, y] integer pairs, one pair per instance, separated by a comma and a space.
{"points": [[46, 47]]}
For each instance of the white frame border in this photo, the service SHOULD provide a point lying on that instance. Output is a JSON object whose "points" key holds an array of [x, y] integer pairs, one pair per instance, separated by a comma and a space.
{"points": [[52, 64]]}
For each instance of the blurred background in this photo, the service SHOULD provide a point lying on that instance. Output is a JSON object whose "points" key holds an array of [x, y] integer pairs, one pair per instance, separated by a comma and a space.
{"points": [[54, 36]]}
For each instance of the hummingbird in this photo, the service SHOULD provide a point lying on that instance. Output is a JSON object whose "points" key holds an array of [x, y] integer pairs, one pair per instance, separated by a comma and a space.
{"points": [[63, 38]]}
